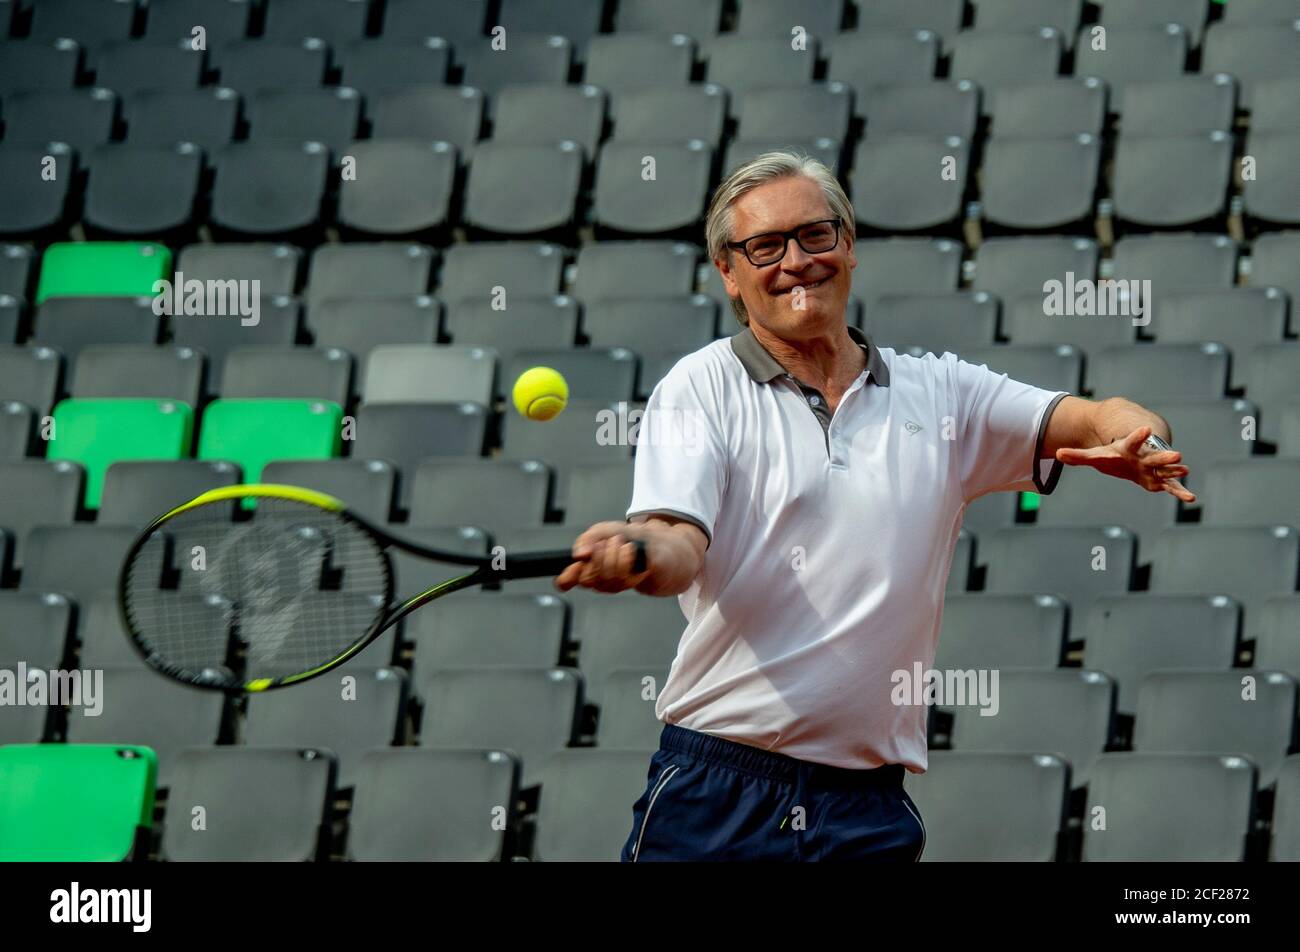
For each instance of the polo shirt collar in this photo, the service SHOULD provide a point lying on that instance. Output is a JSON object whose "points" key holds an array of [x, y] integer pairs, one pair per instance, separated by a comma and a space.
{"points": [[762, 367]]}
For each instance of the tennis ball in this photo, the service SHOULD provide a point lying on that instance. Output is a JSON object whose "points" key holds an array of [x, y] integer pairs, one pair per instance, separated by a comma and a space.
{"points": [[540, 393]]}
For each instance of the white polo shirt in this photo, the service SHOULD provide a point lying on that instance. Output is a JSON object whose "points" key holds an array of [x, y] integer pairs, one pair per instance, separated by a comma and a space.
{"points": [[830, 536]]}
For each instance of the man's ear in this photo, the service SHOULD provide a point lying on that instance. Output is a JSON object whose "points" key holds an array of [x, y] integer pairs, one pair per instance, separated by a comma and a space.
{"points": [[723, 264], [849, 250]]}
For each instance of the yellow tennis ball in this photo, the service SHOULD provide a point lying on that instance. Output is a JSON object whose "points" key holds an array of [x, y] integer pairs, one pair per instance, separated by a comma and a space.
{"points": [[540, 393]]}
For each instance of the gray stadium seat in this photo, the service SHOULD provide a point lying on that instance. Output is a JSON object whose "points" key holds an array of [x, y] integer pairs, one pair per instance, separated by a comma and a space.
{"points": [[697, 18], [571, 438], [165, 372], [1161, 371], [412, 574], [30, 375], [1189, 14], [1002, 631], [1059, 560], [414, 805], [583, 812], [527, 323], [651, 324], [207, 117], [1025, 321], [17, 429], [1182, 106], [1176, 262], [38, 64], [544, 114], [329, 115], [1172, 181], [37, 493], [494, 493], [1170, 807], [83, 118], [942, 16], [78, 560], [577, 21], [405, 433], [381, 64], [634, 269], [938, 107], [430, 113], [1252, 492], [1277, 106], [798, 112], [137, 491], [1131, 54], [1061, 15], [1240, 318], [536, 539], [274, 266], [131, 65], [622, 63], [738, 63], [456, 20], [521, 268], [366, 485], [1129, 636], [506, 629], [251, 65], [1272, 374], [871, 59], [529, 58], [29, 203], [826, 151], [998, 58], [287, 373], [531, 711], [625, 630], [425, 373], [72, 323], [1208, 430], [1059, 107], [1050, 366], [1273, 259], [1040, 184], [360, 324], [1252, 52], [267, 189], [15, 269], [85, 21], [222, 20], [10, 311], [992, 807], [1263, 11], [337, 21], [1285, 845], [933, 322], [596, 373], [777, 17], [267, 804], [1276, 647], [1270, 197], [501, 199], [347, 711], [627, 710], [674, 199], [905, 266], [598, 491], [104, 642], [897, 183], [34, 628], [381, 269], [1087, 498], [1012, 266], [277, 327]]}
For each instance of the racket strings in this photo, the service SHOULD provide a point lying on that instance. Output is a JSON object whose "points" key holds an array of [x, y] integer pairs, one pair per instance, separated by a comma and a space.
{"points": [[281, 594]]}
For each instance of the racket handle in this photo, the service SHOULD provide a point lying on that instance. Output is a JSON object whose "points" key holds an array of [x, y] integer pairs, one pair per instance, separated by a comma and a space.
{"points": [[543, 564]]}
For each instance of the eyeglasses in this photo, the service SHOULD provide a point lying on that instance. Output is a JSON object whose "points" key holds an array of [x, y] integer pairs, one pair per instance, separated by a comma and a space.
{"points": [[814, 238]]}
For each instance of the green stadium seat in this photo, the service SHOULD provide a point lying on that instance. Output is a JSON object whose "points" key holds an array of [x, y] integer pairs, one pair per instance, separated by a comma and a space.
{"points": [[254, 432], [98, 433], [90, 268], [74, 802]]}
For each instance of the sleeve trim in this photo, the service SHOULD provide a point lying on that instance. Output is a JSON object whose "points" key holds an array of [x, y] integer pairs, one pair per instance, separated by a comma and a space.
{"points": [[1045, 487]]}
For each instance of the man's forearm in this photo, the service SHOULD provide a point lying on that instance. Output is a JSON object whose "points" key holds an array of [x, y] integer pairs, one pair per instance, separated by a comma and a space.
{"points": [[1115, 418]]}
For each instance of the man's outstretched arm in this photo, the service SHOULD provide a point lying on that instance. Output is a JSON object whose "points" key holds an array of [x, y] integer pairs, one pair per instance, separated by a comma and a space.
{"points": [[1110, 436]]}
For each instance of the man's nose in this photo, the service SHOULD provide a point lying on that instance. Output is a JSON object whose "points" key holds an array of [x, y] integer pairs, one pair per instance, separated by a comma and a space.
{"points": [[796, 259]]}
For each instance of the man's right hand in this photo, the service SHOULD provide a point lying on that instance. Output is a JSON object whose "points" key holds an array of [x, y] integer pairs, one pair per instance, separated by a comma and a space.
{"points": [[604, 557]]}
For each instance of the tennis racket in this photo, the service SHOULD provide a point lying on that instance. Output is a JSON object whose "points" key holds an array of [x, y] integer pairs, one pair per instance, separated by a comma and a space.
{"points": [[254, 587]]}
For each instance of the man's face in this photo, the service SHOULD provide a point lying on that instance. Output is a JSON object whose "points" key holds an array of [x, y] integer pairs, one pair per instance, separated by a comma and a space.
{"points": [[770, 293]]}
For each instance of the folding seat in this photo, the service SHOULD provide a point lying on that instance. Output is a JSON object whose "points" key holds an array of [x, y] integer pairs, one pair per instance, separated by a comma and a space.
{"points": [[1273, 262], [700, 19], [822, 111], [1249, 563], [1252, 53], [901, 183], [1002, 631], [1011, 15], [406, 433], [933, 322], [1263, 11], [1276, 647], [459, 21], [1005, 58], [821, 18], [131, 66], [287, 373], [673, 199], [379, 269], [937, 107], [1136, 54], [250, 65], [1198, 712], [1086, 498], [519, 190], [82, 118], [35, 64], [598, 491], [1206, 431], [1172, 181], [251, 433], [1185, 105], [620, 63], [627, 710], [375, 65], [652, 324], [71, 323], [1252, 492], [425, 373], [1188, 14], [1012, 266], [426, 805], [1289, 439], [136, 491], [270, 804], [738, 63], [15, 269], [962, 561], [80, 561], [451, 114], [528, 58], [75, 803], [531, 711], [1026, 320], [869, 60], [1067, 712], [597, 373], [92, 268], [38, 493], [89, 22], [335, 21], [1272, 374], [571, 439], [577, 21], [223, 21], [358, 325], [1162, 371], [1176, 262], [29, 203], [276, 327], [634, 269], [622, 631], [402, 188], [411, 573], [905, 266], [1043, 184], [164, 372], [10, 312], [35, 629], [274, 266], [528, 323], [942, 16], [826, 151], [521, 268], [143, 191], [1271, 197], [318, 714], [366, 485], [330, 116], [269, 189], [544, 114], [582, 814], [992, 807], [104, 641], [17, 429], [1277, 105], [207, 117], [1060, 561], [1239, 318], [1285, 844], [30, 375], [501, 630], [1049, 366], [1069, 106]]}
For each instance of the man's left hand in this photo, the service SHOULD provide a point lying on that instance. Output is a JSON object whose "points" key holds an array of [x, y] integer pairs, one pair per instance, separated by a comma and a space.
{"points": [[1130, 458]]}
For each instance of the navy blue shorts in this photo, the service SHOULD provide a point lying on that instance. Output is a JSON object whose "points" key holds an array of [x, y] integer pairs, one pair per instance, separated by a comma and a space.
{"points": [[708, 798]]}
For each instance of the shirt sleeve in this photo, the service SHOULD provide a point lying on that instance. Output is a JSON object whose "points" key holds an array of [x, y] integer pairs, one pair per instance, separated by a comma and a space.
{"points": [[1002, 424], [681, 461]]}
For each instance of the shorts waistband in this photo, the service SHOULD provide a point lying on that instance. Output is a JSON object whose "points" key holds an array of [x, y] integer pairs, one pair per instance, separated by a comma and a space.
{"points": [[767, 763]]}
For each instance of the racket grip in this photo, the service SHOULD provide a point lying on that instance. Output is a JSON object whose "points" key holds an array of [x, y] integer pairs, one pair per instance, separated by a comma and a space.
{"points": [[544, 564]]}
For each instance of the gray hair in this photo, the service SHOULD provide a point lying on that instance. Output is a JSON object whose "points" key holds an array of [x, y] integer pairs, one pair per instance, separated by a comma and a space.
{"points": [[758, 171]]}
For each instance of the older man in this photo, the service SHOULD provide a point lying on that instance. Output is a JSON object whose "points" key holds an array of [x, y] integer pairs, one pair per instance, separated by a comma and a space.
{"points": [[800, 490]]}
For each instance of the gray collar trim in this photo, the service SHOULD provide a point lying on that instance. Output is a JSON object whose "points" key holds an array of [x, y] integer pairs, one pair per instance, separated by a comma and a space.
{"points": [[762, 367]]}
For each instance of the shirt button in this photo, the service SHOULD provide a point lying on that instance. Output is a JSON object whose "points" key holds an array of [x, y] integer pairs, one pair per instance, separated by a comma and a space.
{"points": [[815, 400]]}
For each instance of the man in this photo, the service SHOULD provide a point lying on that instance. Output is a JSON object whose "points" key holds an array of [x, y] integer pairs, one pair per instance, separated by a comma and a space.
{"points": [[800, 490]]}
